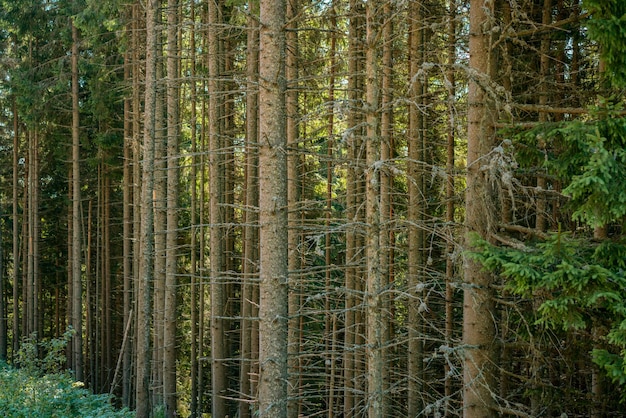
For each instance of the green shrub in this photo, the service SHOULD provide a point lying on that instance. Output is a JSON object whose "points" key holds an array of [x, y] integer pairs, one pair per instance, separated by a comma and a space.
{"points": [[38, 388]]}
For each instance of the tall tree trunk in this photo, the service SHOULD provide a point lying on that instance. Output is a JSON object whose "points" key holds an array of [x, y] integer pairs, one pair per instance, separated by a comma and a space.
{"points": [[478, 305], [416, 209], [251, 230], [26, 242], [216, 190], [450, 244], [273, 309], [127, 256], [16, 232], [137, 83], [36, 322], [332, 333], [171, 262], [3, 306], [107, 294], [375, 286], [146, 267], [193, 214], [160, 219], [353, 200], [293, 198], [386, 254]]}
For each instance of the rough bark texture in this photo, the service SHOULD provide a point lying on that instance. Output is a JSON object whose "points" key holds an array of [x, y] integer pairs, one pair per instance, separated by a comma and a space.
{"points": [[77, 310], [416, 211], [478, 305], [294, 214], [16, 231], [273, 212], [217, 231], [127, 236], [251, 231], [374, 282], [450, 244], [353, 199], [171, 247], [146, 264]]}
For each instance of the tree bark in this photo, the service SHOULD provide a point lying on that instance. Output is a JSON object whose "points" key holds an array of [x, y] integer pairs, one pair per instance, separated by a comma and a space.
{"points": [[127, 256], [249, 304], [77, 293], [416, 210], [171, 247], [478, 306], [294, 213], [16, 232], [353, 200], [273, 222], [375, 287], [216, 199], [146, 264], [450, 175]]}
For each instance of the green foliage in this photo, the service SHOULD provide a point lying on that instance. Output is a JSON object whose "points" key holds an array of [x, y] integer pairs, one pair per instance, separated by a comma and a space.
{"points": [[30, 359], [589, 156], [608, 27], [39, 389], [581, 285]]}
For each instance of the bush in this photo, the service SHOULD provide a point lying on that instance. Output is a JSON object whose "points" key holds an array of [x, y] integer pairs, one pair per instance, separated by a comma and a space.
{"points": [[39, 389]]}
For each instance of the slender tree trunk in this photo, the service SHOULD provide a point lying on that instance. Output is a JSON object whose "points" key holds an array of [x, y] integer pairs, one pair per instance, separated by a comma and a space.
{"points": [[450, 244], [127, 256], [146, 268], [375, 286], [386, 196], [273, 212], [193, 214], [353, 199], [332, 336], [37, 323], [16, 232], [3, 306], [216, 173], [415, 212], [107, 293], [26, 243], [171, 262], [251, 230], [202, 254], [137, 83], [293, 197], [478, 305], [160, 219]]}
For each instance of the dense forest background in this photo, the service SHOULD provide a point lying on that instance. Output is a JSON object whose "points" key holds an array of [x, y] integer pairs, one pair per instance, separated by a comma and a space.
{"points": [[319, 208]]}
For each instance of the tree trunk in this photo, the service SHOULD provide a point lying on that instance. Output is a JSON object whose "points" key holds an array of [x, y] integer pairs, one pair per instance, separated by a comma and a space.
{"points": [[478, 305], [415, 211], [3, 306], [127, 256], [353, 200], [217, 238], [146, 267], [251, 231], [293, 197], [160, 219], [386, 254], [450, 235], [273, 309], [171, 248], [332, 333], [376, 324], [16, 232]]}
